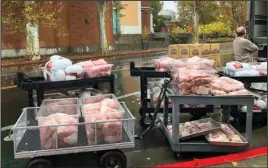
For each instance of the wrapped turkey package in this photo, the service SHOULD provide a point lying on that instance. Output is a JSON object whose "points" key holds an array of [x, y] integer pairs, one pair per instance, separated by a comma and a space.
{"points": [[155, 92], [57, 130], [98, 68], [227, 86], [103, 116], [162, 64], [238, 69], [61, 69], [189, 81]]}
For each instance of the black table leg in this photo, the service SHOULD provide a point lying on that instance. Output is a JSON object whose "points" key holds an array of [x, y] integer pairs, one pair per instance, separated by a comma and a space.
{"points": [[143, 84], [226, 114], [40, 96], [112, 86], [30, 98]]}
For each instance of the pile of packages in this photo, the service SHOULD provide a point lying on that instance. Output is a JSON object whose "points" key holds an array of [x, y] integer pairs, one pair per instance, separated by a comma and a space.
{"points": [[62, 69], [259, 104], [102, 115], [191, 127], [196, 76], [163, 64], [65, 135], [226, 134], [193, 77], [227, 86], [237, 69], [103, 111]]}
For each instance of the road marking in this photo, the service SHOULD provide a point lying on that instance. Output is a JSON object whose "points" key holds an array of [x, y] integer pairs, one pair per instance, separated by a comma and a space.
{"points": [[128, 95], [8, 87]]}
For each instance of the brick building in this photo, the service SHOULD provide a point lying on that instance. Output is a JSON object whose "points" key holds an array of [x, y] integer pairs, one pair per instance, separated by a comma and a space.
{"points": [[80, 19]]}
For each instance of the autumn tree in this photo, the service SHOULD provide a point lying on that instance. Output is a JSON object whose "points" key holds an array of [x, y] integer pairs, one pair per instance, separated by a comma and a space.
{"points": [[158, 21], [102, 9], [206, 11], [27, 16], [196, 12], [232, 13]]}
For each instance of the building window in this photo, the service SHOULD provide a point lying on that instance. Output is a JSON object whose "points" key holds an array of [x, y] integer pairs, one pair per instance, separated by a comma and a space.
{"points": [[116, 17]]}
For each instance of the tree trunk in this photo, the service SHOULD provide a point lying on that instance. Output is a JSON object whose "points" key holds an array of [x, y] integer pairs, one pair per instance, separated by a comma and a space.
{"points": [[196, 23], [101, 7], [32, 41]]}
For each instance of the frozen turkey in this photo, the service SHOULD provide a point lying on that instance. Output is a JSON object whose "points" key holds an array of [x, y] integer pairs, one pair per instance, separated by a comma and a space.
{"points": [[66, 135]]}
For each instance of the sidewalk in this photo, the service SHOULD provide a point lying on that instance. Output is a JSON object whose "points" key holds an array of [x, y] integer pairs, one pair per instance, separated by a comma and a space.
{"points": [[20, 61]]}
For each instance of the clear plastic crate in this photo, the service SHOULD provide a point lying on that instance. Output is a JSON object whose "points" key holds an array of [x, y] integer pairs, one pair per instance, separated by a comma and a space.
{"points": [[50, 96], [91, 91], [69, 106], [98, 99]]}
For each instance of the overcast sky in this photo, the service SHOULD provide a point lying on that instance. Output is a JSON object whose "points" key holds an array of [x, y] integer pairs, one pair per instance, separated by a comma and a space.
{"points": [[171, 5]]}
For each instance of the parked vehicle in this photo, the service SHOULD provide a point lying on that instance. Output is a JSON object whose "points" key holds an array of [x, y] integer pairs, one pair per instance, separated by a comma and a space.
{"points": [[257, 25]]}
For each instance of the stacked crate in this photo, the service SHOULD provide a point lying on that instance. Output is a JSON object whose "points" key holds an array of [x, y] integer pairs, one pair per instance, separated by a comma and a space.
{"points": [[184, 51], [215, 54], [209, 51]]}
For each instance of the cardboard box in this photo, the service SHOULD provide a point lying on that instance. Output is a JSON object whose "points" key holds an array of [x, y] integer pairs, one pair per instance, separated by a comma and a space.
{"points": [[173, 51], [205, 49], [215, 48], [195, 50], [184, 51], [217, 59], [226, 58]]}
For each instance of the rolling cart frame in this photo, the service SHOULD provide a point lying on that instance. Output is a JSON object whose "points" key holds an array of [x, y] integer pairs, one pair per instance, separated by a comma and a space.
{"points": [[27, 141], [239, 117], [146, 108], [202, 145], [39, 84]]}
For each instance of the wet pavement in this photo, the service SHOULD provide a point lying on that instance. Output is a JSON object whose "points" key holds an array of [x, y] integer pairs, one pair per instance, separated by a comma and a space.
{"points": [[152, 150]]}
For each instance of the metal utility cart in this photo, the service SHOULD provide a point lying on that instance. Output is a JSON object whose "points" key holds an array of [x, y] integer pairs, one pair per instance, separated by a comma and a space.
{"points": [[28, 140], [247, 80], [146, 107], [201, 144], [39, 84], [239, 117]]}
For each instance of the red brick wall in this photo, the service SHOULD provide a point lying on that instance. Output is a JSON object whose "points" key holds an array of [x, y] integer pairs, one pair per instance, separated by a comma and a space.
{"points": [[146, 20], [146, 3], [73, 17], [146, 15]]}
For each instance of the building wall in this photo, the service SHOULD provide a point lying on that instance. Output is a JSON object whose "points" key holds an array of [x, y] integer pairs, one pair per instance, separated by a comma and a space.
{"points": [[146, 22], [73, 18], [130, 23], [146, 16]]}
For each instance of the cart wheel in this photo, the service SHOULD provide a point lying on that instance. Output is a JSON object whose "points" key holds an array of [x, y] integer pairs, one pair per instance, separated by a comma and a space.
{"points": [[114, 158], [177, 155], [146, 120], [141, 111], [39, 163]]}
